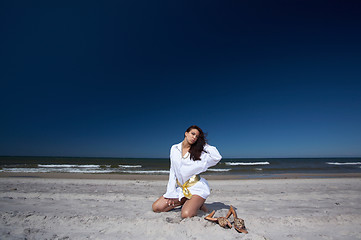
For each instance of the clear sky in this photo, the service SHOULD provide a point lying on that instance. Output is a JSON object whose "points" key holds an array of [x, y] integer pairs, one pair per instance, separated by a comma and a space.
{"points": [[126, 78]]}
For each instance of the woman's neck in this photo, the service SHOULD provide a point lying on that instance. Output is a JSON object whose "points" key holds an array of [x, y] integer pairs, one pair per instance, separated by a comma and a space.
{"points": [[185, 144]]}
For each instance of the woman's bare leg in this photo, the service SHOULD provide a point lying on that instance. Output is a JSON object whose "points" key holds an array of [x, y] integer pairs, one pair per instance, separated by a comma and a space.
{"points": [[161, 205], [191, 206], [204, 208]]}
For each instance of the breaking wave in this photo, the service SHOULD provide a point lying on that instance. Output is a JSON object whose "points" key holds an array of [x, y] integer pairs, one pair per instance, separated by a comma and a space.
{"points": [[66, 166], [146, 171], [219, 169], [345, 163], [246, 163]]}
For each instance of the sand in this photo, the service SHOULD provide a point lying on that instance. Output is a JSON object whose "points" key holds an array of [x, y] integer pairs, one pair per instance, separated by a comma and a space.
{"points": [[70, 208]]}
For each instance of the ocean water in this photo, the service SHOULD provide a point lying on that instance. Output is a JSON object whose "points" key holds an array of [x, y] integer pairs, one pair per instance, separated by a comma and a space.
{"points": [[160, 166]]}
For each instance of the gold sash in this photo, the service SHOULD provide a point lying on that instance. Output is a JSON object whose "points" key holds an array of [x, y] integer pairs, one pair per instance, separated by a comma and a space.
{"points": [[189, 183]]}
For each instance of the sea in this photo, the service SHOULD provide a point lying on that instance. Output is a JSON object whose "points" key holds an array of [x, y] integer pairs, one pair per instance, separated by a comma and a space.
{"points": [[257, 167]]}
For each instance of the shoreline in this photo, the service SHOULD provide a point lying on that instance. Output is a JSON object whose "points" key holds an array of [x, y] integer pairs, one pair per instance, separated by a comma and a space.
{"points": [[165, 177]]}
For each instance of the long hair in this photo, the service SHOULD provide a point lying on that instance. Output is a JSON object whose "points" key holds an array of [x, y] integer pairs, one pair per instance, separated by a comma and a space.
{"points": [[197, 147]]}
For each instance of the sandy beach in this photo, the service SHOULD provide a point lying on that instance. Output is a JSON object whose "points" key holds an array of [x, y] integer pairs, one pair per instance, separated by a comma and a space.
{"points": [[83, 208]]}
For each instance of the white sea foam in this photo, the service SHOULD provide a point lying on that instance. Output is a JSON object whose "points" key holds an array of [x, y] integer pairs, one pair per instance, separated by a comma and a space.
{"points": [[345, 163], [146, 171], [130, 166], [26, 170], [91, 171], [63, 170], [219, 169], [67, 166], [246, 163]]}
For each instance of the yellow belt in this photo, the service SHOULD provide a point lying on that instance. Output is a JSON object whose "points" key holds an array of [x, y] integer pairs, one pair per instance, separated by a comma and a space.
{"points": [[189, 183]]}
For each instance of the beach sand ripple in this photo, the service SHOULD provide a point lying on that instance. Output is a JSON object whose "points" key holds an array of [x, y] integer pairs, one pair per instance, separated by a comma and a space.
{"points": [[121, 209]]}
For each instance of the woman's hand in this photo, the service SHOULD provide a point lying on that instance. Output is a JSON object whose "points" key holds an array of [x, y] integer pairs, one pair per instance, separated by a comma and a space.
{"points": [[171, 201]]}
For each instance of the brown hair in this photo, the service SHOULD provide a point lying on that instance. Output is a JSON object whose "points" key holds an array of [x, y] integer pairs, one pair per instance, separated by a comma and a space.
{"points": [[197, 147]]}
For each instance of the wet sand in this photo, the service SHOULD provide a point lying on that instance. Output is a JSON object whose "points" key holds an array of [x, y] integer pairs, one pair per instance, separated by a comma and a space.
{"points": [[165, 177]]}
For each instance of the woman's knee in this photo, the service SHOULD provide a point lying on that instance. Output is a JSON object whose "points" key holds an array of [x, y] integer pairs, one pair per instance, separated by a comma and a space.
{"points": [[186, 213], [156, 207], [159, 205]]}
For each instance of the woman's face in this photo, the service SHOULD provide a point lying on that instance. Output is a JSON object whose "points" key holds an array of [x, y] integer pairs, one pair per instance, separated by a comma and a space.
{"points": [[192, 136]]}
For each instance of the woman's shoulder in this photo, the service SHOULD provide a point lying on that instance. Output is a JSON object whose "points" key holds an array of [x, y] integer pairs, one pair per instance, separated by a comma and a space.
{"points": [[177, 146]]}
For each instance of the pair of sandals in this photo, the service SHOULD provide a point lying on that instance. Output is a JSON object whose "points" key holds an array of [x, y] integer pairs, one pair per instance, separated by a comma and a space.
{"points": [[224, 222]]}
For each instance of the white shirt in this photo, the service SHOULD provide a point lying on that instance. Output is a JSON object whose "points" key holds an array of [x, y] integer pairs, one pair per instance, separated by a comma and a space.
{"points": [[184, 168]]}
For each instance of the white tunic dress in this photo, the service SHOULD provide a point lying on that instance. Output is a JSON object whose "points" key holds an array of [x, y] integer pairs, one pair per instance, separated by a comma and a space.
{"points": [[184, 168]]}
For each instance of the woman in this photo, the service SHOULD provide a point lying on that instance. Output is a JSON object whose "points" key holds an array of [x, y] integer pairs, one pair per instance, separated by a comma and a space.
{"points": [[185, 187]]}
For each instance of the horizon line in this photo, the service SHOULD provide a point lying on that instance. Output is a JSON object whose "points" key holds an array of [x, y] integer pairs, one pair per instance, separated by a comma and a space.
{"points": [[47, 156]]}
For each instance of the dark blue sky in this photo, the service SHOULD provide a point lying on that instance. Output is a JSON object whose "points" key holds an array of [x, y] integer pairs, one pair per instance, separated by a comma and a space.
{"points": [[126, 78]]}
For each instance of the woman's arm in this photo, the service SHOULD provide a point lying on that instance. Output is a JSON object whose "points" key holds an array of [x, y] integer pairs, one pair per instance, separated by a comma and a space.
{"points": [[210, 157], [171, 187]]}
